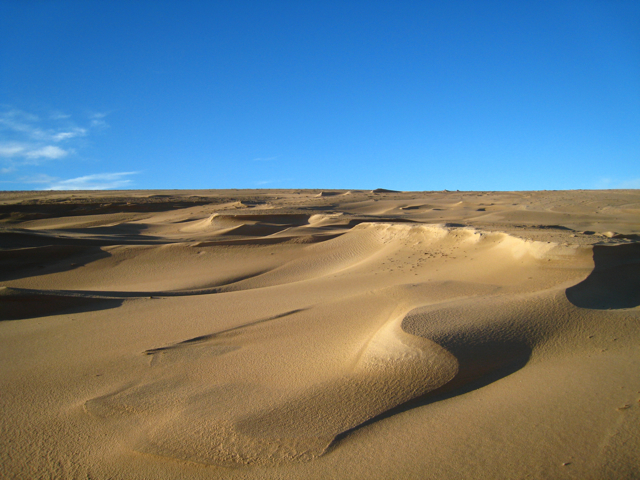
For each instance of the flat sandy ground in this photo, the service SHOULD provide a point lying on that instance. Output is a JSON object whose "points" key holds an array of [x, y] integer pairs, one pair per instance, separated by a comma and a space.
{"points": [[320, 334]]}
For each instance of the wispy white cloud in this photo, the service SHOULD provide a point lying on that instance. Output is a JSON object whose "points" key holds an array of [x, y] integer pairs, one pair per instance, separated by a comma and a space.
{"points": [[49, 151], [18, 116], [29, 127], [97, 120], [59, 116], [8, 150], [267, 182], [30, 153], [71, 133], [633, 183], [13, 121], [29, 139], [264, 159], [41, 178], [98, 181], [608, 183]]}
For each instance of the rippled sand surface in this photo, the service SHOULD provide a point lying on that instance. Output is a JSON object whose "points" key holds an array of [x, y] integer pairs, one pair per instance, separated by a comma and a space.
{"points": [[320, 334]]}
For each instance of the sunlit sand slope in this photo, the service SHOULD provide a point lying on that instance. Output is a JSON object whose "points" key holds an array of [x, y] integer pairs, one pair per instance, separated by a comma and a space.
{"points": [[320, 334]]}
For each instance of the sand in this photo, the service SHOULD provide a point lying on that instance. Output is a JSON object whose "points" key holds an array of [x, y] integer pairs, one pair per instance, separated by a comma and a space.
{"points": [[320, 334]]}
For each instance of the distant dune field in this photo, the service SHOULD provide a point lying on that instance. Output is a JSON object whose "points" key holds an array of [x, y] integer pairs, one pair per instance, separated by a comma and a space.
{"points": [[320, 334]]}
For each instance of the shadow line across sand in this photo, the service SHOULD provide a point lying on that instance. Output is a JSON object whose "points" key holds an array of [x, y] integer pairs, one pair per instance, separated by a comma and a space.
{"points": [[212, 336], [19, 304], [475, 372]]}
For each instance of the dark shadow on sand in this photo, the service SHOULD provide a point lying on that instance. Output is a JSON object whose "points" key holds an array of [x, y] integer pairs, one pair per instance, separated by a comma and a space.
{"points": [[614, 282], [19, 306], [479, 366], [34, 261], [213, 336], [21, 238]]}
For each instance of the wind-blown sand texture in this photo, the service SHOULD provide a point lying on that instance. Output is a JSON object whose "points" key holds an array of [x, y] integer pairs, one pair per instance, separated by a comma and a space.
{"points": [[320, 334]]}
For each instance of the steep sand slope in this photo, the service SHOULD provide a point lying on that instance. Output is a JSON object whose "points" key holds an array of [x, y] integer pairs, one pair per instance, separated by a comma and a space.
{"points": [[310, 334]]}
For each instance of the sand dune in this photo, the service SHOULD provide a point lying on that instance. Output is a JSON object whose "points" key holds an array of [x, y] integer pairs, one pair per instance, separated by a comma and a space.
{"points": [[320, 334]]}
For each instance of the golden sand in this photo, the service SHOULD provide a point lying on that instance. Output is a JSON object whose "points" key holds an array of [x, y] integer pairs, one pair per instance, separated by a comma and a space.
{"points": [[320, 334]]}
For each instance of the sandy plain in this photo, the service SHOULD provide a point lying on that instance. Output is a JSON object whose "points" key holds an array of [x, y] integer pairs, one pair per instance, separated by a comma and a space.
{"points": [[320, 334]]}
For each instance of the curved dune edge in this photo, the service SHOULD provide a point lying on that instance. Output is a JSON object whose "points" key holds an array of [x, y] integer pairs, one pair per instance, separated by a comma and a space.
{"points": [[394, 367], [397, 364]]}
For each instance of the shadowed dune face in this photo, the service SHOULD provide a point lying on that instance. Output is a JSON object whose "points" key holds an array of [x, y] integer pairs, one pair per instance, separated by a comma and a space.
{"points": [[17, 304], [284, 334], [614, 282], [486, 337], [32, 261]]}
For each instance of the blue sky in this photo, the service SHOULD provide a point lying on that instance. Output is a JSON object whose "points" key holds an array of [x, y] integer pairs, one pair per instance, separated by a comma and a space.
{"points": [[424, 95]]}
